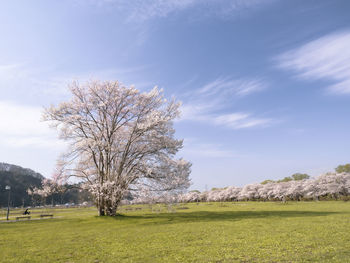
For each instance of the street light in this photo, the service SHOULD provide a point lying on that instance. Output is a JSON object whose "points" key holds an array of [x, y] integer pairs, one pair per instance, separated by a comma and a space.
{"points": [[7, 187]]}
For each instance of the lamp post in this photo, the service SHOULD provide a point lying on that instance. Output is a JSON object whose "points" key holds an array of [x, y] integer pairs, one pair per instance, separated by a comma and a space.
{"points": [[8, 202]]}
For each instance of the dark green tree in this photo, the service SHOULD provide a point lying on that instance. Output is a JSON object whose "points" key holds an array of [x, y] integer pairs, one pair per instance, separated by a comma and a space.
{"points": [[267, 181], [285, 179], [300, 176], [343, 168]]}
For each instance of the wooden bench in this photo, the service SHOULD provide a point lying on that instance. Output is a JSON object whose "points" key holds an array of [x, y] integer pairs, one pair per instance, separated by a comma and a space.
{"points": [[22, 217], [46, 215]]}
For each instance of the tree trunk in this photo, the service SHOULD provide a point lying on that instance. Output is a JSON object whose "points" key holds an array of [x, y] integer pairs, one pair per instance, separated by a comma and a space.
{"points": [[111, 207], [284, 199], [108, 205], [101, 211], [112, 210], [101, 207]]}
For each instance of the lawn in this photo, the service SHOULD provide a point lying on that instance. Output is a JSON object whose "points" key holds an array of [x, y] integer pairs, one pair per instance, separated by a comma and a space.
{"points": [[204, 232]]}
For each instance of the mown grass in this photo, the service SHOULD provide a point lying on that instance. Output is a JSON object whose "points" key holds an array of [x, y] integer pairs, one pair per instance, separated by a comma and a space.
{"points": [[208, 232]]}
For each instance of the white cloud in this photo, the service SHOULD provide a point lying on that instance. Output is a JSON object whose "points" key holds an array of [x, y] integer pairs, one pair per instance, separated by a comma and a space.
{"points": [[229, 86], [20, 126], [208, 104], [224, 120], [125, 75], [20, 120], [22, 85], [25, 83], [194, 112], [233, 120], [326, 58], [194, 148], [240, 120], [142, 10], [48, 142], [145, 10]]}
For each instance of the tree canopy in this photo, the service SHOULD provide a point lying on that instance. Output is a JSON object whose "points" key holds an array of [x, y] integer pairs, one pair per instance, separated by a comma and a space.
{"points": [[120, 140], [294, 177], [343, 168], [300, 176]]}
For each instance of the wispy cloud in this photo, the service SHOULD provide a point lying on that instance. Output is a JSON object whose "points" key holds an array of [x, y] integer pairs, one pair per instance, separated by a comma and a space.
{"points": [[24, 81], [20, 126], [326, 58], [209, 103], [193, 147], [28, 82], [23, 85], [142, 10], [228, 86], [241, 120]]}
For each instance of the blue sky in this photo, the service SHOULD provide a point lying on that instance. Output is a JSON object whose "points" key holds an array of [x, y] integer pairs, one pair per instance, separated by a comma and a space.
{"points": [[265, 85]]}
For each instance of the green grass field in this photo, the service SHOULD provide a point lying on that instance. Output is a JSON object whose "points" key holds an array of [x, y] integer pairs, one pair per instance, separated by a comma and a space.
{"points": [[208, 232]]}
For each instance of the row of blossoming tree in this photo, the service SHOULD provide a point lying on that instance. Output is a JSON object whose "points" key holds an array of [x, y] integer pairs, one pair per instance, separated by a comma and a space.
{"points": [[329, 185]]}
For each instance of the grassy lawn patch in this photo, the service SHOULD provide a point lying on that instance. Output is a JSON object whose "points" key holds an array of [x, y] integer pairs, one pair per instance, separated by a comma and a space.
{"points": [[228, 232]]}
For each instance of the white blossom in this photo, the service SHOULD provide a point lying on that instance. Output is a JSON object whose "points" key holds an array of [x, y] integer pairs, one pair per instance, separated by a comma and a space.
{"points": [[120, 140], [333, 184]]}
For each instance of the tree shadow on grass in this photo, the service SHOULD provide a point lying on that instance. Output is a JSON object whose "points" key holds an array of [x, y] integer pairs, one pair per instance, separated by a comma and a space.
{"points": [[208, 216]]}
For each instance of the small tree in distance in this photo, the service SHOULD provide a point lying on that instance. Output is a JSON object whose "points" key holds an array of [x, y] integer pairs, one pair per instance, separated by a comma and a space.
{"points": [[300, 176], [294, 177], [120, 140], [343, 168], [267, 181]]}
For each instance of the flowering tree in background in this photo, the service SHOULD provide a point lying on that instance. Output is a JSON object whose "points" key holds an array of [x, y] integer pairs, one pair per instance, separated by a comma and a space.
{"points": [[329, 185], [119, 140], [48, 187]]}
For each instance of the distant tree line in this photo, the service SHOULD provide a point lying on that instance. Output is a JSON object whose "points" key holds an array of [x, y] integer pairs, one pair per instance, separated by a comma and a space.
{"points": [[19, 184], [67, 194], [299, 186]]}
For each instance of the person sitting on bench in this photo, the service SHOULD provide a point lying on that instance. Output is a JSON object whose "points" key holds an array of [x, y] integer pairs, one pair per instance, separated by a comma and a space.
{"points": [[26, 212]]}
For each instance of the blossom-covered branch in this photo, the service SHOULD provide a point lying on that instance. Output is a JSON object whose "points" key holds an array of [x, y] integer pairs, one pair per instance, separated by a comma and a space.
{"points": [[119, 139]]}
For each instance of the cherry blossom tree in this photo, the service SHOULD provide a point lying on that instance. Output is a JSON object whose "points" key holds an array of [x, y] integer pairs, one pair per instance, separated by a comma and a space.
{"points": [[120, 140], [48, 188], [335, 185]]}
